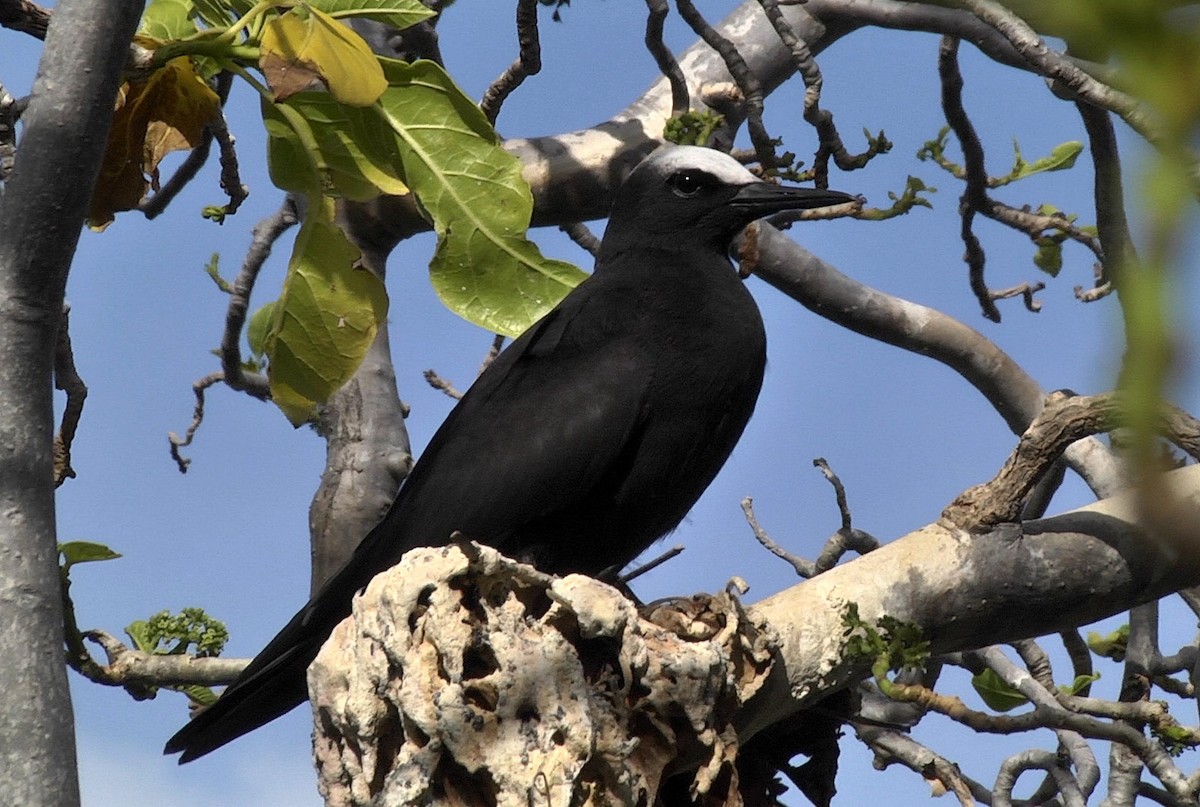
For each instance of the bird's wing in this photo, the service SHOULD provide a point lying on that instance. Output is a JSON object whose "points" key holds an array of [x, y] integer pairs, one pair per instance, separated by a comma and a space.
{"points": [[532, 436]]}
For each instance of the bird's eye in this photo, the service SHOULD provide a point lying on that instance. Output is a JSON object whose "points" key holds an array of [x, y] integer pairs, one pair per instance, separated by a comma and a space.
{"points": [[689, 183]]}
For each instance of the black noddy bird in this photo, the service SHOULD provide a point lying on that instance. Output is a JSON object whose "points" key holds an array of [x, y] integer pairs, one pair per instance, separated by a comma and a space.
{"points": [[591, 436]]}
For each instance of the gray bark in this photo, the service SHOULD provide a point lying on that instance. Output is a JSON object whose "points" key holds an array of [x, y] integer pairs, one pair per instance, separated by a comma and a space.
{"points": [[41, 212]]}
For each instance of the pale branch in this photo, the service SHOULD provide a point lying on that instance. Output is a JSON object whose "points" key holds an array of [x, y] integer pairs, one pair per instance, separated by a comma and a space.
{"points": [[894, 747], [803, 567], [199, 387], [67, 379], [126, 666], [367, 448], [827, 292], [493, 351], [528, 62], [1035, 759], [667, 65], [1023, 290]]}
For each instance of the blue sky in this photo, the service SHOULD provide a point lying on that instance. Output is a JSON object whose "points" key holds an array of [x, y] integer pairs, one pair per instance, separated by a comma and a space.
{"points": [[905, 434]]}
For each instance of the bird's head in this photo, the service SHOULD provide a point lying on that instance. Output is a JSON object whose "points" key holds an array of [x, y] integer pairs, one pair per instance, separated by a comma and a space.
{"points": [[688, 194]]}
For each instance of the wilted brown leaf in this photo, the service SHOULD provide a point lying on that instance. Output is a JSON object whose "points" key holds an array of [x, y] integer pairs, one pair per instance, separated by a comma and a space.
{"points": [[166, 112]]}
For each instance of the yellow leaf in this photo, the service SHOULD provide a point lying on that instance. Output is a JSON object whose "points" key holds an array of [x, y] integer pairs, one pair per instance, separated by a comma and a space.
{"points": [[166, 112], [326, 318], [305, 44]]}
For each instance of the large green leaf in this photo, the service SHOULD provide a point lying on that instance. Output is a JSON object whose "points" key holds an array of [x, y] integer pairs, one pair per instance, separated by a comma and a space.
{"points": [[355, 151], [484, 268], [396, 13], [326, 318], [167, 20]]}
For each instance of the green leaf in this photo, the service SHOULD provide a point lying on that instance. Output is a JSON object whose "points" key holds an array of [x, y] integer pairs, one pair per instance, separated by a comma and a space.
{"points": [[168, 20], [198, 694], [355, 150], [326, 318], [139, 633], [304, 44], [396, 13], [259, 327], [484, 269], [1080, 684], [85, 552], [1048, 257], [218, 14], [213, 270], [996, 693], [1112, 645]]}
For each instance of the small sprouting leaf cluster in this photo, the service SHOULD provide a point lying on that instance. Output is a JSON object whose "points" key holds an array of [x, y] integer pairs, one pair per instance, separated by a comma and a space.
{"points": [[342, 123], [167, 634], [888, 645]]}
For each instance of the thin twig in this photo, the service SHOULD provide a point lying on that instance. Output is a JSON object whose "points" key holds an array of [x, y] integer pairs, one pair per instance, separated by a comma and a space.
{"points": [[651, 565], [439, 383], [582, 235], [747, 82], [67, 379], [265, 234], [231, 180], [667, 64], [493, 352], [803, 567], [528, 61], [174, 439], [1022, 290]]}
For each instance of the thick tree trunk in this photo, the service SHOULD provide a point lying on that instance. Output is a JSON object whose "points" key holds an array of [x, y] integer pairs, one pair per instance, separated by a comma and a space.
{"points": [[41, 212]]}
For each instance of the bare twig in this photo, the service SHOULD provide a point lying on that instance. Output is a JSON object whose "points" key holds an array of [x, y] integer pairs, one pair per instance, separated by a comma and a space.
{"points": [[583, 236], [1064, 420], [651, 565], [528, 61], [1112, 226], [265, 234], [891, 746], [667, 65], [67, 379], [803, 567], [747, 82], [830, 141], [178, 442], [231, 180], [1023, 290], [974, 198], [493, 352], [439, 383]]}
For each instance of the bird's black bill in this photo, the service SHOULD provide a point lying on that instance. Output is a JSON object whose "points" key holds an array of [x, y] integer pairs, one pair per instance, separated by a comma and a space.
{"points": [[763, 198]]}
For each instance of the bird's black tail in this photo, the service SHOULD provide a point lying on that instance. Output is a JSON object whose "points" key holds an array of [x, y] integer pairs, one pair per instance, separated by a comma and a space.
{"points": [[273, 684]]}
